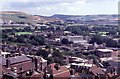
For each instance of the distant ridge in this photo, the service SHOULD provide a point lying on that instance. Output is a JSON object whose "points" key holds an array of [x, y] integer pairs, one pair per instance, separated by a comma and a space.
{"points": [[11, 12], [61, 16], [24, 17], [16, 16]]}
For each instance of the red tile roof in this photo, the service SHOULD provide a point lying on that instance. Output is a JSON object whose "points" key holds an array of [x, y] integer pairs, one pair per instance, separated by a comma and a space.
{"points": [[96, 70], [37, 75], [52, 65], [62, 72], [4, 69], [28, 65]]}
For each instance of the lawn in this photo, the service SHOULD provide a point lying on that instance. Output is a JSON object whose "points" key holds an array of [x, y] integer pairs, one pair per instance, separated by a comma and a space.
{"points": [[103, 33], [23, 33]]}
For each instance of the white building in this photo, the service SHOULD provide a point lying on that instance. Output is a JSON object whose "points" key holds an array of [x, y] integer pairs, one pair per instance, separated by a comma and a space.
{"points": [[75, 39]]}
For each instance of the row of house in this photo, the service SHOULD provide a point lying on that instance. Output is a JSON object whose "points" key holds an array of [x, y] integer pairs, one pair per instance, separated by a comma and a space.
{"points": [[23, 66], [20, 65]]}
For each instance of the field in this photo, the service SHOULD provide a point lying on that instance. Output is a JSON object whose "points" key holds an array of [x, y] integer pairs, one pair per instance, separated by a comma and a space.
{"points": [[103, 33], [23, 33]]}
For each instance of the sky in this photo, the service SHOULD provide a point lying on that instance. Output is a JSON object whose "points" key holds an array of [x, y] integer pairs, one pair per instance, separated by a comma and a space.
{"points": [[66, 7]]}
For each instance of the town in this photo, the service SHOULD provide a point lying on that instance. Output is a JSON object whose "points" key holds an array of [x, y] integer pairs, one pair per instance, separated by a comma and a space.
{"points": [[59, 47]]}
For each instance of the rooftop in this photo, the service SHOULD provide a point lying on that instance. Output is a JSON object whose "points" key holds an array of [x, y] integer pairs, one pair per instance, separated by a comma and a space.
{"points": [[15, 59], [5, 53], [83, 64], [105, 50], [96, 70]]}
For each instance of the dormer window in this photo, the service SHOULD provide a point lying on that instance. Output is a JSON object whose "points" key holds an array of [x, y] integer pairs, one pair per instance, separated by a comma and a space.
{"points": [[21, 68], [8, 68], [57, 67], [14, 68]]}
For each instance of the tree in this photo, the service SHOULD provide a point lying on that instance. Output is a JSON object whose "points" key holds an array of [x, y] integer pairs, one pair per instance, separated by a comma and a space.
{"points": [[28, 29], [57, 60], [11, 39], [111, 43], [58, 29], [20, 39], [56, 53], [102, 39], [119, 43], [65, 41], [33, 42], [98, 39], [38, 39], [79, 30], [50, 60], [4, 36], [42, 53], [112, 32], [58, 57]]}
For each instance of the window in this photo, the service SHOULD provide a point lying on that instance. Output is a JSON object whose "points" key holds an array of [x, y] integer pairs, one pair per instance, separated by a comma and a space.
{"points": [[21, 67]]}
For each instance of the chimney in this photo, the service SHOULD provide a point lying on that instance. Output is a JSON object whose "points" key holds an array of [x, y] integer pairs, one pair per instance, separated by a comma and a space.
{"points": [[7, 62], [34, 60], [36, 63], [6, 56], [72, 72], [19, 54]]}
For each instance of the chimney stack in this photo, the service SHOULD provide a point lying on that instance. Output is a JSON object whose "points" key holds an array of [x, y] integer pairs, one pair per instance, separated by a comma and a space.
{"points": [[72, 72], [7, 62], [35, 61]]}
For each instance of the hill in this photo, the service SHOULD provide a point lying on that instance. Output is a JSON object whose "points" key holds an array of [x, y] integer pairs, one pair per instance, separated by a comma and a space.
{"points": [[20, 17]]}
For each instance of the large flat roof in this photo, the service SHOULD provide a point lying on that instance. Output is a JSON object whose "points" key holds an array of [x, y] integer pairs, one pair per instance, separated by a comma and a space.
{"points": [[105, 50]]}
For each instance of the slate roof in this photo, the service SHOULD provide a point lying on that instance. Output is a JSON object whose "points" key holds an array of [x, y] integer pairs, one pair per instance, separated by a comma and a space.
{"points": [[14, 60]]}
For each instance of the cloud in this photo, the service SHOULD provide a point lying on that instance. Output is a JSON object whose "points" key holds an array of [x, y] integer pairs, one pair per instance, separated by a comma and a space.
{"points": [[76, 7], [40, 0]]}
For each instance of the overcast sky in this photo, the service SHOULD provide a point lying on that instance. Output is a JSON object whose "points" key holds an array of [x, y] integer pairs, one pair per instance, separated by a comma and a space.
{"points": [[69, 7]]}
